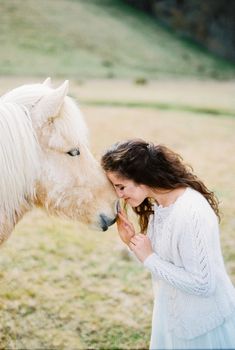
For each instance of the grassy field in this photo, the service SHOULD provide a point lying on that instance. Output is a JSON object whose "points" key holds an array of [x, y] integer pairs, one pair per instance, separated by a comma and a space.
{"points": [[63, 286], [96, 39]]}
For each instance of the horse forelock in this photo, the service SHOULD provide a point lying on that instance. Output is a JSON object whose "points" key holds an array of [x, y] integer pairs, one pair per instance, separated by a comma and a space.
{"points": [[71, 122]]}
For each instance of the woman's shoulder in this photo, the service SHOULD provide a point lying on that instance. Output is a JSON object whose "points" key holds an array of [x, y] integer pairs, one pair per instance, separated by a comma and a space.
{"points": [[194, 205], [192, 198]]}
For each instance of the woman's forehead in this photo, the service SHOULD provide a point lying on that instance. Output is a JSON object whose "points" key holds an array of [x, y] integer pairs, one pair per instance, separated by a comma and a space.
{"points": [[117, 178]]}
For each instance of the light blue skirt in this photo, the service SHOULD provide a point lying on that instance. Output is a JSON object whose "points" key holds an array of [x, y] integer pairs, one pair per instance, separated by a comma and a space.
{"points": [[222, 337]]}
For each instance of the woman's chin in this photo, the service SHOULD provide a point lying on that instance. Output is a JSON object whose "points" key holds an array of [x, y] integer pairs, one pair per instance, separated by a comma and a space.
{"points": [[129, 202]]}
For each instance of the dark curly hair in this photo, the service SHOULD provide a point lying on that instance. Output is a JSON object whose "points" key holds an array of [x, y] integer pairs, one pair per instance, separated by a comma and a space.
{"points": [[156, 166]]}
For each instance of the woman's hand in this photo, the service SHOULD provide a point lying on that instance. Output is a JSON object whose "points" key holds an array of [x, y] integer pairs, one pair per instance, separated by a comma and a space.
{"points": [[140, 244], [126, 229]]}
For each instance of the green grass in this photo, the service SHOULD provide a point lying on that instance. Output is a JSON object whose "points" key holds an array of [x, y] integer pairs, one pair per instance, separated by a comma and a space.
{"points": [[162, 106], [101, 39]]}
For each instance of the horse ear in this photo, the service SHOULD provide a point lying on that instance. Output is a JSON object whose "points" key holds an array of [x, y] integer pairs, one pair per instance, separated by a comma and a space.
{"points": [[50, 105], [47, 82]]}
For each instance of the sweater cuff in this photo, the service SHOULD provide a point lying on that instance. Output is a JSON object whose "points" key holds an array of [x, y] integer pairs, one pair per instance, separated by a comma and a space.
{"points": [[150, 261]]}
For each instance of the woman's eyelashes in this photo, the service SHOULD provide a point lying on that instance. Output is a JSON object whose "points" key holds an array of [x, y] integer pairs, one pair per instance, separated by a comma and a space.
{"points": [[119, 187]]}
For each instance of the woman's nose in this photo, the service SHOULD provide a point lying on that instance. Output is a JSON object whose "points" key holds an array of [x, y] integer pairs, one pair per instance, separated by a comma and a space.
{"points": [[119, 193]]}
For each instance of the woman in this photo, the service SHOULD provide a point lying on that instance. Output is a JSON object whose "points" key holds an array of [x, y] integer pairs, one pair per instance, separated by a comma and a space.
{"points": [[194, 304]]}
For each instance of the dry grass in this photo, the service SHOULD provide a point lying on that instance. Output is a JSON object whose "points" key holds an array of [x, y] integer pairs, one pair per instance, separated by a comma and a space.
{"points": [[209, 93], [64, 286]]}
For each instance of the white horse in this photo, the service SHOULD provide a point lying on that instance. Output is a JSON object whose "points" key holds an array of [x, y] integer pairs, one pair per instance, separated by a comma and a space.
{"points": [[45, 160]]}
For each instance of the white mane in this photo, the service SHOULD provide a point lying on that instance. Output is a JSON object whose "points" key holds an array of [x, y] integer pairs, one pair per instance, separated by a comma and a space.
{"points": [[26, 95], [18, 158]]}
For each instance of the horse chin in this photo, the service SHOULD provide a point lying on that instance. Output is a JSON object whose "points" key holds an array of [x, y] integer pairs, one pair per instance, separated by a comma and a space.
{"points": [[106, 221], [97, 222], [102, 224]]}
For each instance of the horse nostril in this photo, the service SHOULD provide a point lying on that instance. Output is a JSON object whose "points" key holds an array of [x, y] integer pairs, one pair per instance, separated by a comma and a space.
{"points": [[105, 221], [117, 207]]}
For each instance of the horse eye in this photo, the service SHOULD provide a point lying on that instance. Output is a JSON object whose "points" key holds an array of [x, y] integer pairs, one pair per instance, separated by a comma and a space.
{"points": [[74, 152]]}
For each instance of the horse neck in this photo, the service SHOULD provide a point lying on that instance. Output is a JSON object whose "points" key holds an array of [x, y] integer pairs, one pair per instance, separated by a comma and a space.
{"points": [[7, 225]]}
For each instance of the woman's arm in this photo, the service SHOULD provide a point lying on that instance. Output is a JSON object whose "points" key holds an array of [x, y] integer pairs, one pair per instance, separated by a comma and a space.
{"points": [[195, 250]]}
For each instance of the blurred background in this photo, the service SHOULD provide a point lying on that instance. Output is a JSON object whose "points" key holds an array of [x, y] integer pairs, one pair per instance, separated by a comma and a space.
{"points": [[163, 70]]}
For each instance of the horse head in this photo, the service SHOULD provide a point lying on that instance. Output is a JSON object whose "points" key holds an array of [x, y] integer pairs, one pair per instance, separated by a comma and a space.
{"points": [[68, 181]]}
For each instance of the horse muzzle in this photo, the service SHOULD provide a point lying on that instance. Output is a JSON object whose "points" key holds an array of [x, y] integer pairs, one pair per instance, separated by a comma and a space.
{"points": [[105, 222]]}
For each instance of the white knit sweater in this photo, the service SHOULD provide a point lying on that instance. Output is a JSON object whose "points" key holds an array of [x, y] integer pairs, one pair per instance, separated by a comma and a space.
{"points": [[187, 264]]}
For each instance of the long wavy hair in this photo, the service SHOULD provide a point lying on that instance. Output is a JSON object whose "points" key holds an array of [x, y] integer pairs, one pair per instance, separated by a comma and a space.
{"points": [[156, 166]]}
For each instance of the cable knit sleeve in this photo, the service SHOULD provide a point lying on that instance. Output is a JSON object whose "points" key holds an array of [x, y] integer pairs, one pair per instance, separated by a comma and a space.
{"points": [[193, 269]]}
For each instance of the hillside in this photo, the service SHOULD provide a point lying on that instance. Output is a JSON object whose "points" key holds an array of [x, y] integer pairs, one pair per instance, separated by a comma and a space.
{"points": [[96, 39], [209, 23]]}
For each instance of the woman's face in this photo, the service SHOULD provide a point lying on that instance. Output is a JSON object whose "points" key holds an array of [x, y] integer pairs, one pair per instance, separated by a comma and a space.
{"points": [[132, 193]]}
